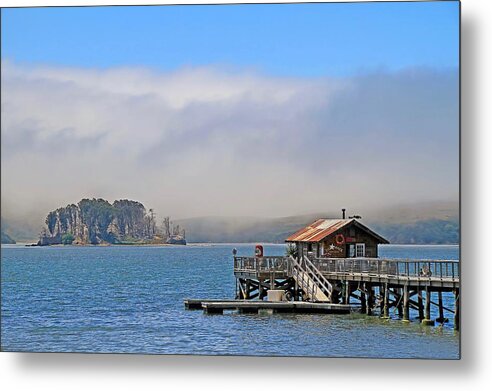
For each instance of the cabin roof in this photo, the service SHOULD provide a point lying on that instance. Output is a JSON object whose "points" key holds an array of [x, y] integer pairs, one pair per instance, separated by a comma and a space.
{"points": [[323, 228]]}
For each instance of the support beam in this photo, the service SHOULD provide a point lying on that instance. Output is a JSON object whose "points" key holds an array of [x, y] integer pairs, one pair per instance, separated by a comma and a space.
{"points": [[261, 291], [248, 289], [381, 300], [427, 321], [441, 319], [386, 302], [363, 301], [369, 299], [420, 304], [399, 304], [406, 304], [347, 293]]}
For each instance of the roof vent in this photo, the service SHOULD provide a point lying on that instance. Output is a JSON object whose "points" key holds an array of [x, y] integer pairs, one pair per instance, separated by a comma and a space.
{"points": [[343, 213]]}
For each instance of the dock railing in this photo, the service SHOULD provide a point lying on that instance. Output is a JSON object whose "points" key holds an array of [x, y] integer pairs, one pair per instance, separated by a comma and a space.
{"points": [[278, 264], [399, 268], [424, 269]]}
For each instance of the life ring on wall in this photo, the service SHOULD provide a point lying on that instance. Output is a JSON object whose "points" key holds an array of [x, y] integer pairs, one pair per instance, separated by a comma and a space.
{"points": [[339, 239]]}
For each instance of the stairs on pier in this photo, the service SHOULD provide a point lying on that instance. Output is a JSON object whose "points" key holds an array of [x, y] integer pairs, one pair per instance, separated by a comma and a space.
{"points": [[316, 287]]}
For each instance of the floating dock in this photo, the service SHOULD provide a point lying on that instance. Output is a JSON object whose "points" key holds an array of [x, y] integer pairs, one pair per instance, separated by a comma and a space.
{"points": [[253, 306]]}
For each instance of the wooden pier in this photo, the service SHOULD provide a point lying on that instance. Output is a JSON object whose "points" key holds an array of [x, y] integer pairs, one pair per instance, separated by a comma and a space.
{"points": [[376, 284], [333, 266]]}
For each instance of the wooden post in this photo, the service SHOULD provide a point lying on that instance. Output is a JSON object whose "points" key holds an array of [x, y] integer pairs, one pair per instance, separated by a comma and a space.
{"points": [[362, 300], [457, 309], [260, 289], [347, 292], [420, 304], [427, 303], [427, 320], [381, 300], [248, 286], [370, 299], [386, 302], [241, 289], [406, 307], [399, 305], [441, 318]]}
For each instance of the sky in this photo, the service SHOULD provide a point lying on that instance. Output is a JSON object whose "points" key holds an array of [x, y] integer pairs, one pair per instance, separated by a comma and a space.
{"points": [[230, 110], [284, 40]]}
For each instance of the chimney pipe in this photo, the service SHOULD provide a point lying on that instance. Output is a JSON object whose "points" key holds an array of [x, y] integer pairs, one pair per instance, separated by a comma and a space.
{"points": [[343, 213]]}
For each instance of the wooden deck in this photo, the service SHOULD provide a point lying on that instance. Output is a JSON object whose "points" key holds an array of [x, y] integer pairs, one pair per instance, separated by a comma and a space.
{"points": [[377, 284], [440, 274]]}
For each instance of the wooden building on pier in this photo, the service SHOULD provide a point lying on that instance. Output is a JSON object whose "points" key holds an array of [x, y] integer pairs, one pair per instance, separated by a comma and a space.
{"points": [[337, 238], [337, 263]]}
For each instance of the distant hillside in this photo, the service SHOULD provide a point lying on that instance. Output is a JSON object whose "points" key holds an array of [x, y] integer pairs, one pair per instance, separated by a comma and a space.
{"points": [[6, 239], [242, 229], [430, 223], [420, 232], [422, 223]]}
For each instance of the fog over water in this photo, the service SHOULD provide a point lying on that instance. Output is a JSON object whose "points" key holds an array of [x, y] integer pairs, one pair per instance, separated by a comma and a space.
{"points": [[204, 141]]}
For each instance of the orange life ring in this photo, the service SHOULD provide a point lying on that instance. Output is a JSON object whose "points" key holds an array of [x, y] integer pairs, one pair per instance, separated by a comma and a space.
{"points": [[339, 239]]}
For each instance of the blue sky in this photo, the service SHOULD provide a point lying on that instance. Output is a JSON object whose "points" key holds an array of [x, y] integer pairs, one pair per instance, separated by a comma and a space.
{"points": [[286, 40], [340, 98]]}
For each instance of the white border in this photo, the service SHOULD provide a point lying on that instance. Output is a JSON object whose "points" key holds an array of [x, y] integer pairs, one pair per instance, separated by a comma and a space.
{"points": [[123, 372]]}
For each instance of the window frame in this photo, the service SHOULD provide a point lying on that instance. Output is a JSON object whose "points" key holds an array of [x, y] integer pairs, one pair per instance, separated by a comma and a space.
{"points": [[357, 247]]}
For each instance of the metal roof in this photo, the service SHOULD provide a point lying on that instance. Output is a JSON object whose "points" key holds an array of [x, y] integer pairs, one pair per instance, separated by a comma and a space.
{"points": [[322, 228]]}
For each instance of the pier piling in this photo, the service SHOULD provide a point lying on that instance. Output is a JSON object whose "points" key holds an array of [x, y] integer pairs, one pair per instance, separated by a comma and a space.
{"points": [[420, 303], [386, 302], [427, 321], [406, 304]]}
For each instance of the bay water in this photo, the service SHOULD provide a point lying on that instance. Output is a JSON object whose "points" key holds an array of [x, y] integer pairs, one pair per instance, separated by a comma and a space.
{"points": [[129, 299]]}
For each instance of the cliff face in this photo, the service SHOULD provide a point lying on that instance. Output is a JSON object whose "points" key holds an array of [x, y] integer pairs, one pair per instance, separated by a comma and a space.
{"points": [[96, 221]]}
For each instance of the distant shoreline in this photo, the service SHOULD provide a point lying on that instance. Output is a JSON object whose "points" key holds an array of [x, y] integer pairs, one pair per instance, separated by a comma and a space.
{"points": [[194, 244]]}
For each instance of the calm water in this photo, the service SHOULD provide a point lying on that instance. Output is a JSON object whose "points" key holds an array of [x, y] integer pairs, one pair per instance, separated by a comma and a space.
{"points": [[130, 299]]}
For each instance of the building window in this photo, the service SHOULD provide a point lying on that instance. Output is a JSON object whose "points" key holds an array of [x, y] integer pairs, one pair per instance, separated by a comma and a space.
{"points": [[360, 250], [351, 250]]}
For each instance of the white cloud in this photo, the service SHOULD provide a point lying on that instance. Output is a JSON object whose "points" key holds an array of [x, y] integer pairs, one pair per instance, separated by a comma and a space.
{"points": [[215, 141]]}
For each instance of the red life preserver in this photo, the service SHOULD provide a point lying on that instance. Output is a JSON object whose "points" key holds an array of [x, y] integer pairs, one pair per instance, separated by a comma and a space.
{"points": [[259, 251], [339, 239]]}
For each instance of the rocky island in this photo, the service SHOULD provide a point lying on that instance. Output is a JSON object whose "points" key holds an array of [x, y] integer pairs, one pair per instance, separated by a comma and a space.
{"points": [[98, 222]]}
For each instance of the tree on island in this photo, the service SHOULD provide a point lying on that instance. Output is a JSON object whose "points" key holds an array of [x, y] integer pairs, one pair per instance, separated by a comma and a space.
{"points": [[96, 221], [67, 238]]}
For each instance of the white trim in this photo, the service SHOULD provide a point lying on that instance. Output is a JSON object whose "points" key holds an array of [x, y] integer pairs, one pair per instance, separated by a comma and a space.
{"points": [[357, 247]]}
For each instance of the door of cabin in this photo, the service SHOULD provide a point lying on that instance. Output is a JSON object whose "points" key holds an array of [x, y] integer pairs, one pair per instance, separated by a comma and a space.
{"points": [[350, 250]]}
